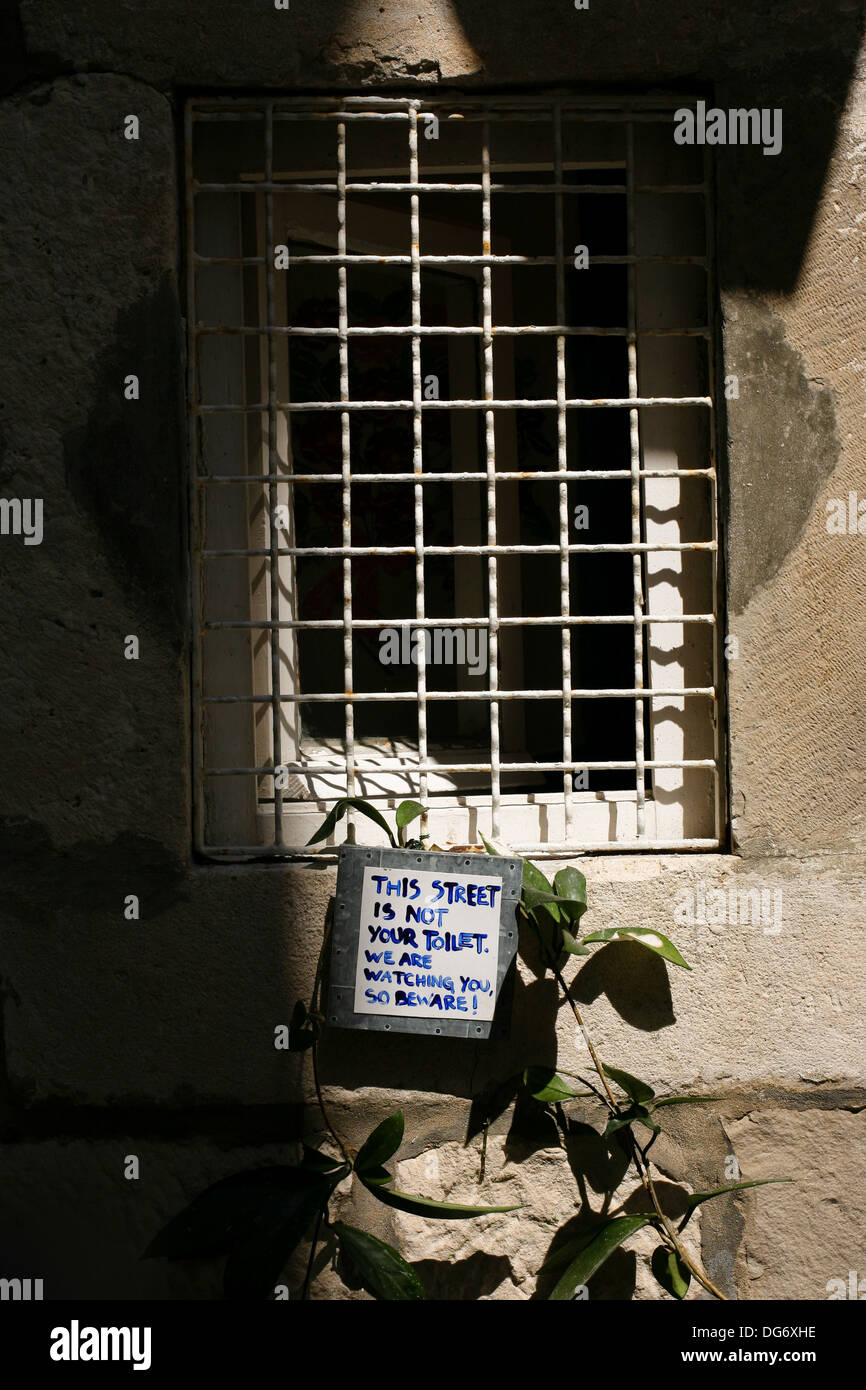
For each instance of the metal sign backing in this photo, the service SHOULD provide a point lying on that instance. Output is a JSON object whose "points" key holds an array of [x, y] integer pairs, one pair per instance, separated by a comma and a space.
{"points": [[424, 942]]}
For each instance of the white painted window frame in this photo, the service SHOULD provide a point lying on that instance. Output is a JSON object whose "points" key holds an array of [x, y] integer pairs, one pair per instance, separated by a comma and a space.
{"points": [[684, 805]]}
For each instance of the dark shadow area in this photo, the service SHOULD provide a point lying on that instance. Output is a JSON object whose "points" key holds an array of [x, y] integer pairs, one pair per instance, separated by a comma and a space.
{"points": [[776, 56], [601, 1164], [491, 1102], [126, 465], [473, 1278], [634, 980], [672, 1199], [614, 1281], [596, 1162], [87, 877], [531, 951], [125, 470], [450, 1066], [533, 1127]]}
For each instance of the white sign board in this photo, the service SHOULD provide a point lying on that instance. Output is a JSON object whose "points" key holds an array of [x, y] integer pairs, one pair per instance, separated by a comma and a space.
{"points": [[429, 944]]}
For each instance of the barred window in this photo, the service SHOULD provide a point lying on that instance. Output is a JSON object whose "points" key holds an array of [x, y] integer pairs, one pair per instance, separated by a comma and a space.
{"points": [[453, 494]]}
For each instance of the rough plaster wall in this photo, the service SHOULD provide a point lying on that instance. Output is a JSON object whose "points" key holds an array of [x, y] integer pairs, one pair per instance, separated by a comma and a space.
{"points": [[825, 1205], [156, 1038], [798, 594], [82, 310]]}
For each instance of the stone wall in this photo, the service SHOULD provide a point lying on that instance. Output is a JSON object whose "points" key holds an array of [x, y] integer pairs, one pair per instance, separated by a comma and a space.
{"points": [[155, 1037]]}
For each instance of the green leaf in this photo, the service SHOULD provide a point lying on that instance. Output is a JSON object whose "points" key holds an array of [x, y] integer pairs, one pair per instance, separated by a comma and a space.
{"points": [[682, 1100], [328, 824], [229, 1211], [570, 908], [649, 1122], [381, 1144], [563, 1256], [406, 812], [572, 945], [644, 936], [337, 813], [316, 1162], [377, 1175], [570, 884], [627, 1117], [636, 1090], [534, 878], [544, 1084], [256, 1218], [498, 851], [301, 1036], [425, 1206], [545, 915], [672, 1274], [367, 810], [382, 1270], [696, 1198], [254, 1267], [593, 1256]]}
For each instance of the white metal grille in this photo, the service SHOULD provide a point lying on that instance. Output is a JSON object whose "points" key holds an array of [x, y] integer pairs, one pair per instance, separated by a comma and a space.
{"points": [[249, 178]]}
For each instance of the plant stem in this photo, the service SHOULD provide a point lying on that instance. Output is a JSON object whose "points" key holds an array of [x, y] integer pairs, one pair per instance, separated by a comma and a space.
{"points": [[642, 1168], [325, 1116], [315, 1011], [308, 1276], [649, 1186], [560, 979]]}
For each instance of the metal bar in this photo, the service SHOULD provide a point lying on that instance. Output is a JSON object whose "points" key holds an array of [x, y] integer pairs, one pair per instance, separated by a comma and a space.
{"points": [[490, 452], [718, 597], [532, 475], [273, 533], [235, 853], [196, 606], [611, 548], [548, 620], [550, 403], [288, 183], [393, 765], [418, 452], [292, 185], [636, 510], [448, 331], [347, 108], [343, 258], [596, 693], [562, 459], [346, 454]]}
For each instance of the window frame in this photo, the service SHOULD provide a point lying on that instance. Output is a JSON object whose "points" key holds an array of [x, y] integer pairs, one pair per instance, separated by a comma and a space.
{"points": [[464, 813]]}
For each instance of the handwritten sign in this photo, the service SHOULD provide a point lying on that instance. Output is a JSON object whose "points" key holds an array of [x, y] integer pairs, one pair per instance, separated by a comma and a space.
{"points": [[429, 944], [422, 941]]}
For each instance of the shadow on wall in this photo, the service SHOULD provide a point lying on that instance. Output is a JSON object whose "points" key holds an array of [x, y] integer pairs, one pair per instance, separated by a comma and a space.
{"points": [[788, 57], [778, 55], [779, 58], [634, 981]]}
